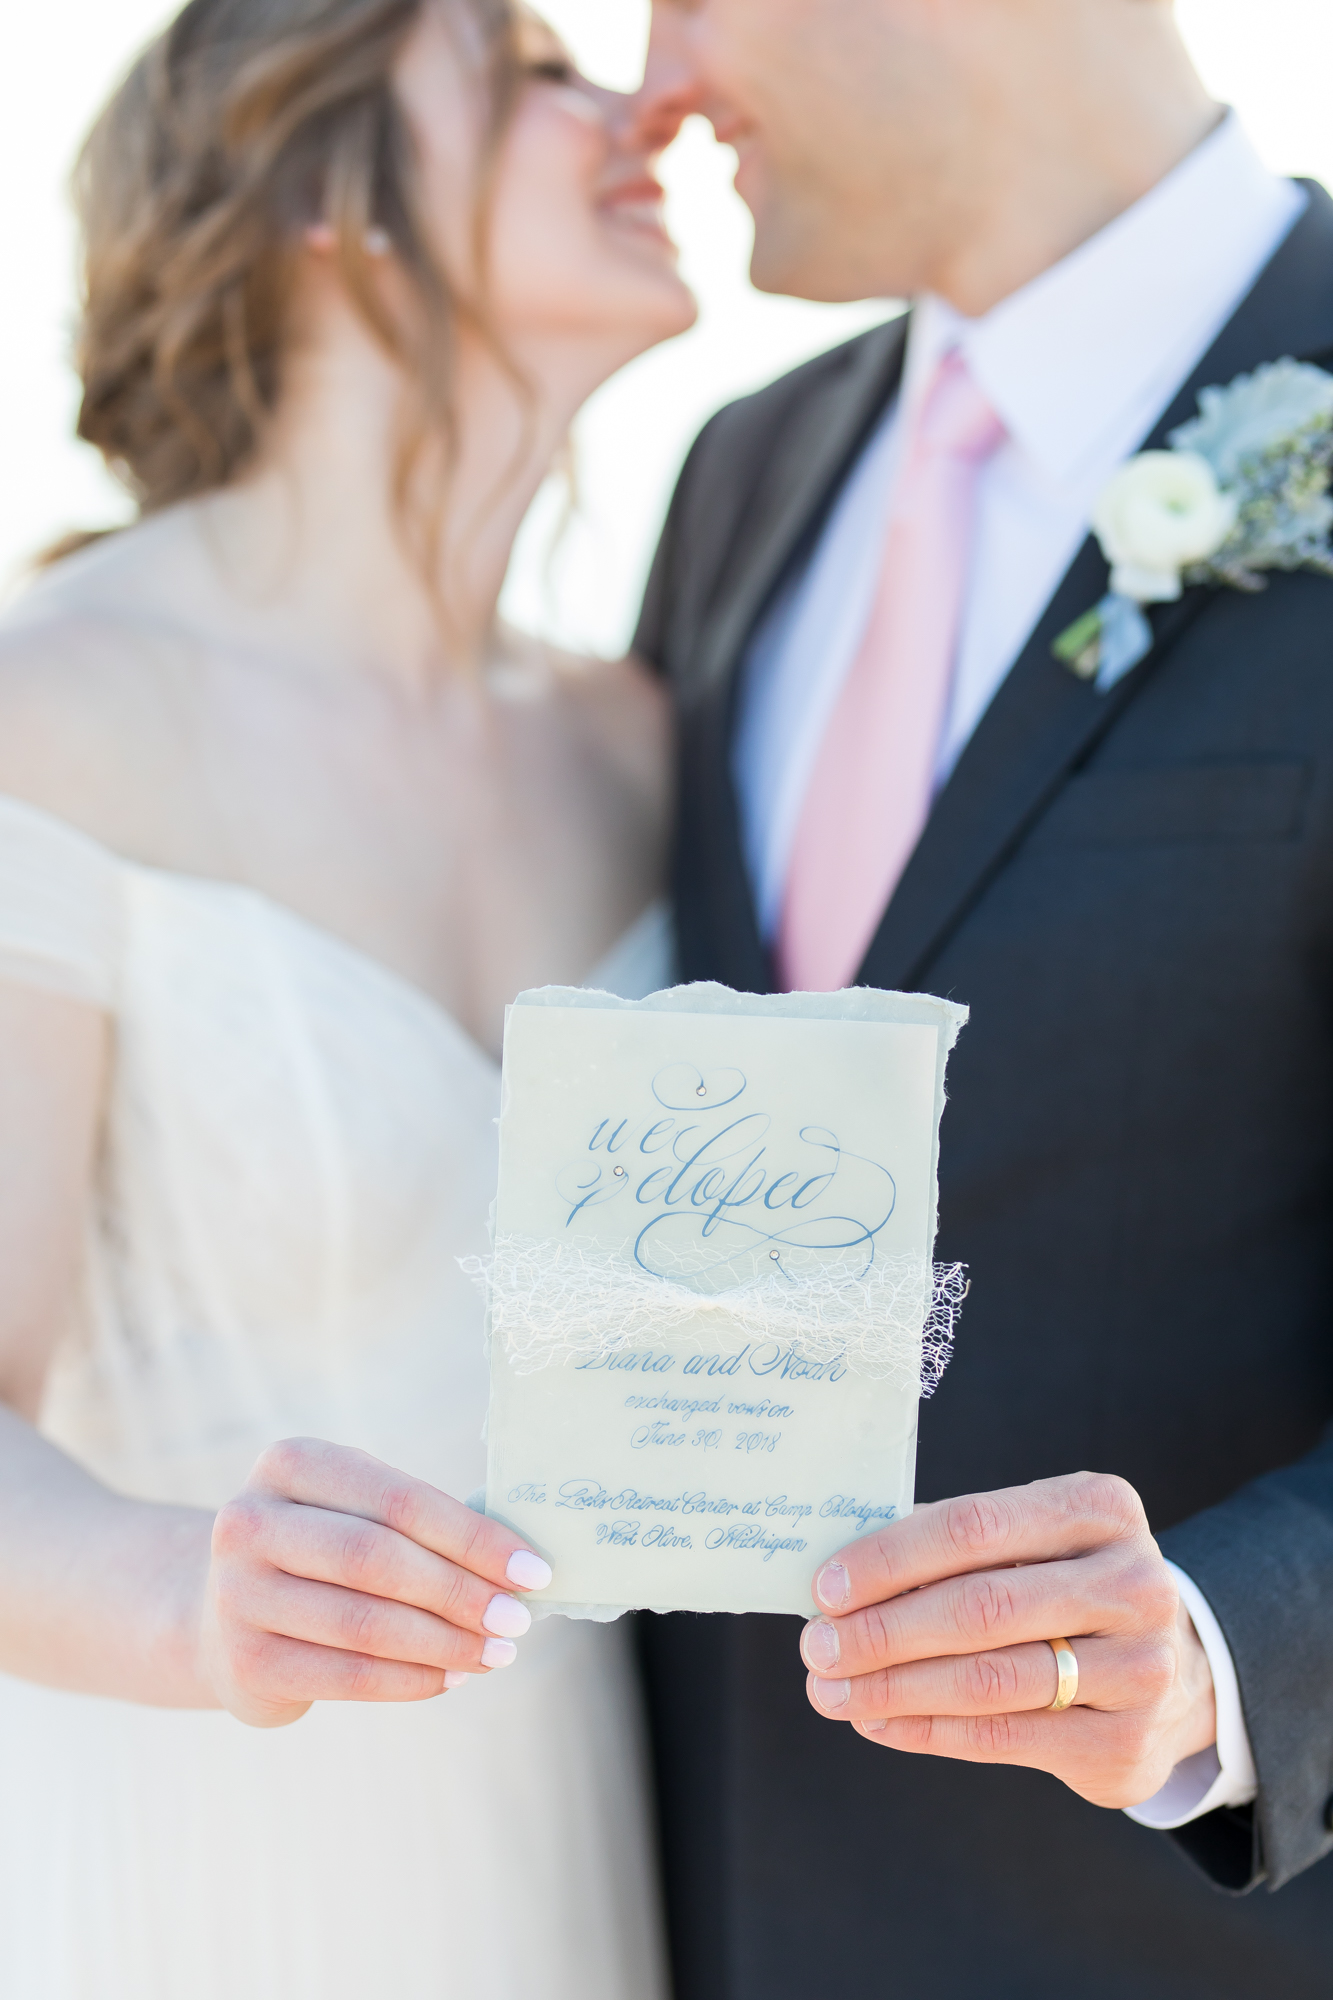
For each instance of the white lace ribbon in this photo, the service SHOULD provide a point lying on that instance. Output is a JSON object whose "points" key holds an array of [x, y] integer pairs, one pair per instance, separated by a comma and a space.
{"points": [[558, 1302]]}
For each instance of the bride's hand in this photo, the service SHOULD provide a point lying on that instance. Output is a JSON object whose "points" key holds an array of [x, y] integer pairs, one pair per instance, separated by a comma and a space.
{"points": [[335, 1578]]}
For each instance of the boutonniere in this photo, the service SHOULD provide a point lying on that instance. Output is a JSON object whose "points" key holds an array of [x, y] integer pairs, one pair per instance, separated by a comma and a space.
{"points": [[1243, 489]]}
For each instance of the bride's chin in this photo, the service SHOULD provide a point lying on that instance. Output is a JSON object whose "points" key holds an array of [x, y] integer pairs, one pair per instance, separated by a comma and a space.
{"points": [[662, 298], [679, 310], [630, 335], [687, 311]]}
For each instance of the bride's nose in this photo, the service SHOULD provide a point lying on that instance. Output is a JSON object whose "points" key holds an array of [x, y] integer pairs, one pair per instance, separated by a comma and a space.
{"points": [[634, 125], [613, 108], [588, 101], [614, 114]]}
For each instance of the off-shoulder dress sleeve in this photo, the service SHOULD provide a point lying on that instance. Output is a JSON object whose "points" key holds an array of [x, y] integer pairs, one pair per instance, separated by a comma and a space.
{"points": [[60, 907]]}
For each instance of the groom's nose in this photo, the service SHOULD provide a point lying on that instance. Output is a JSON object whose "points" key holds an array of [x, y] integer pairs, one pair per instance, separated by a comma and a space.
{"points": [[672, 87]]}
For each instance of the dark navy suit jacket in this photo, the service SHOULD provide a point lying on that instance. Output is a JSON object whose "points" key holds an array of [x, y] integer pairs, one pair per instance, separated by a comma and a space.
{"points": [[1134, 894]]}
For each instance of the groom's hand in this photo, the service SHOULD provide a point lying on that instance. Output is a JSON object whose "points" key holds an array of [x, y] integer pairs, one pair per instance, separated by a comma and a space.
{"points": [[935, 1637]]}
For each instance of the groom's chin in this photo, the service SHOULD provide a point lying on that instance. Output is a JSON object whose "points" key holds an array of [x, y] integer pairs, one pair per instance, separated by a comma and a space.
{"points": [[793, 264], [803, 247]]}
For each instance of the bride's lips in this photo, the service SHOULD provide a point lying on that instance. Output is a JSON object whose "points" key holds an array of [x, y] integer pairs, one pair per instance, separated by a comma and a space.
{"points": [[639, 205]]}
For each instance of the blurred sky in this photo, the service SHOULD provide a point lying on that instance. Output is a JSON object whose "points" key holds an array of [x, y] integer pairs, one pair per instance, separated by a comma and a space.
{"points": [[1271, 58]]}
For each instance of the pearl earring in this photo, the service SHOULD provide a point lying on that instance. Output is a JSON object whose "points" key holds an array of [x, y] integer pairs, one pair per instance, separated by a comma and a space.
{"points": [[377, 242]]}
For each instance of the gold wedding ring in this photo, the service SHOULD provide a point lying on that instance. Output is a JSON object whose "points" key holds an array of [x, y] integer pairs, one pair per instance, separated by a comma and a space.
{"points": [[1066, 1665]]}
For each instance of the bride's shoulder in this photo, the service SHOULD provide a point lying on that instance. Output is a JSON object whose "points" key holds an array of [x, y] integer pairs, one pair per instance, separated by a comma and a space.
{"points": [[75, 734], [624, 724], [618, 709]]}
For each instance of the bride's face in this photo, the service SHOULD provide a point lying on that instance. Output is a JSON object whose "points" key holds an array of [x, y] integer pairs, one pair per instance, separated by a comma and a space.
{"points": [[576, 244]]}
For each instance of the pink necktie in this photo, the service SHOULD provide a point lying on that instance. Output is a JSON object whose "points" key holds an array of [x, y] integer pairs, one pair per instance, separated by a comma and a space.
{"points": [[870, 793]]}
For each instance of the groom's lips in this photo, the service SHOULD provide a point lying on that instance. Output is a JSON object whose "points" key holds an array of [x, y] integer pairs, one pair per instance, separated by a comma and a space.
{"points": [[741, 136], [745, 164], [729, 127]]}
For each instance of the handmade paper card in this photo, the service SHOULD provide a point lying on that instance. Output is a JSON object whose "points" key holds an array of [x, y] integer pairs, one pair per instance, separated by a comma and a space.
{"points": [[712, 1297]]}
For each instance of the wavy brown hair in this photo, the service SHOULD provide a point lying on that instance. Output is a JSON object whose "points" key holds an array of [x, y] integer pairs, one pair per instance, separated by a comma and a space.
{"points": [[242, 124]]}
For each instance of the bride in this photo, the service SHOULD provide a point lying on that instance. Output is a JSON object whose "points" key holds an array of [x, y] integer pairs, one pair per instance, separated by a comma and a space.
{"points": [[285, 820]]}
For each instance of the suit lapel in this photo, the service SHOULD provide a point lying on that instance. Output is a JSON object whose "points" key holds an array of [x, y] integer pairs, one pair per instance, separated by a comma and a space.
{"points": [[718, 926], [808, 466], [1043, 721]]}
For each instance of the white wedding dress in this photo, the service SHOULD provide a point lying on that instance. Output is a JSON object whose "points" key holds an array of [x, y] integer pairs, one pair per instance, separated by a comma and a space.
{"points": [[298, 1148]]}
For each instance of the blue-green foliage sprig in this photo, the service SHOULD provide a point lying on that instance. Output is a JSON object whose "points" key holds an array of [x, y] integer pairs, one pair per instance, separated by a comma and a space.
{"points": [[1269, 439]]}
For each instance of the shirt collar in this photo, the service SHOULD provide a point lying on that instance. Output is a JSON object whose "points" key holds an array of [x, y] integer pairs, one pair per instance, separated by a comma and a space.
{"points": [[1073, 357]]}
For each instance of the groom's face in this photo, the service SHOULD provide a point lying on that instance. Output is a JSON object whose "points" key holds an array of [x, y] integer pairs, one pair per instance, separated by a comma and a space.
{"points": [[853, 121]]}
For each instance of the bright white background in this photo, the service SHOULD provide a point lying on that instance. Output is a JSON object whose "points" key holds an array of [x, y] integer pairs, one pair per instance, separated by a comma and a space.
{"points": [[1271, 58]]}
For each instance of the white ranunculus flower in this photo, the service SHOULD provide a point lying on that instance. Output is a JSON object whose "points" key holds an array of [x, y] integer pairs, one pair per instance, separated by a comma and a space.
{"points": [[1160, 513]]}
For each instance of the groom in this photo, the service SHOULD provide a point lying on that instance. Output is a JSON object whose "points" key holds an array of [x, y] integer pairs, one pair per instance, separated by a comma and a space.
{"points": [[888, 776]]}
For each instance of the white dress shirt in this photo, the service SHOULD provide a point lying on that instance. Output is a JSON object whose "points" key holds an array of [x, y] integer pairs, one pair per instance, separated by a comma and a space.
{"points": [[1079, 365]]}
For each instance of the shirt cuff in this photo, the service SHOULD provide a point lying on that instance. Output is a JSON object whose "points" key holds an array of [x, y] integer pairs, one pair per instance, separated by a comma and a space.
{"points": [[1224, 1773]]}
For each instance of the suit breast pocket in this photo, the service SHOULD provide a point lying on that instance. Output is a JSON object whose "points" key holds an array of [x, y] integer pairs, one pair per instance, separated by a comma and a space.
{"points": [[1169, 805]]}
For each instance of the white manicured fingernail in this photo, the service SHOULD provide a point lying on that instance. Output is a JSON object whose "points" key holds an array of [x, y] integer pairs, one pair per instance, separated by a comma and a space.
{"points": [[832, 1695], [499, 1653], [528, 1571], [453, 1679], [506, 1617], [874, 1728]]}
